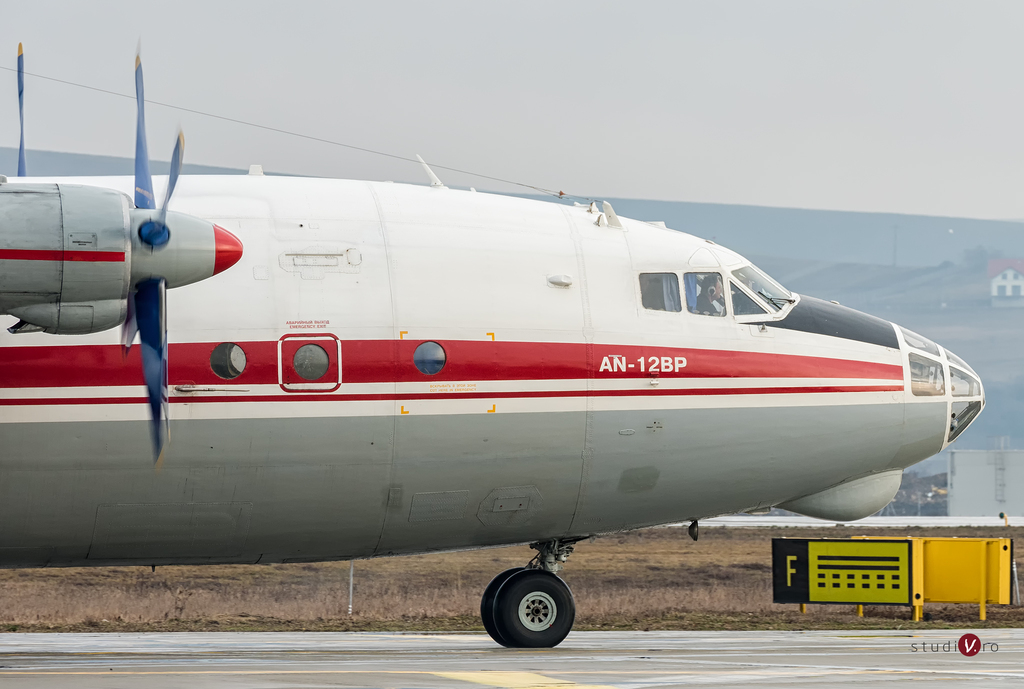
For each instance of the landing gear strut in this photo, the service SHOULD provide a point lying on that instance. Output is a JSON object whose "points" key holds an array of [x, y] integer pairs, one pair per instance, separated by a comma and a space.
{"points": [[530, 607]]}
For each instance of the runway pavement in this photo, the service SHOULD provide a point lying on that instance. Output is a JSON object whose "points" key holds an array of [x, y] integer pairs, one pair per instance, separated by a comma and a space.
{"points": [[463, 661], [756, 521]]}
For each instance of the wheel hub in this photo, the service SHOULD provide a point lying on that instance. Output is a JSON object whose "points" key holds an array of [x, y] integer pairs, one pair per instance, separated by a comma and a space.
{"points": [[537, 611]]}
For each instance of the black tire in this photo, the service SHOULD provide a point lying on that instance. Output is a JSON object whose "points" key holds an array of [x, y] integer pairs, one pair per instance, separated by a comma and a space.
{"points": [[534, 609], [487, 603]]}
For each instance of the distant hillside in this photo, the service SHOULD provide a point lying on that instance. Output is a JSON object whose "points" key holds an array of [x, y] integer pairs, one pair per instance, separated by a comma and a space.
{"points": [[54, 164], [818, 235], [882, 289]]}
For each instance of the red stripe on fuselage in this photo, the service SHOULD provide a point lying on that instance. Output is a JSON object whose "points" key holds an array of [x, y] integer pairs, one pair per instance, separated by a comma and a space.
{"points": [[390, 361], [44, 255], [410, 397]]}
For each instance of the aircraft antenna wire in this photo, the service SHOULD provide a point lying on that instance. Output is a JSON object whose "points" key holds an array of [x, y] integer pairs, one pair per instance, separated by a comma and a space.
{"points": [[308, 137]]}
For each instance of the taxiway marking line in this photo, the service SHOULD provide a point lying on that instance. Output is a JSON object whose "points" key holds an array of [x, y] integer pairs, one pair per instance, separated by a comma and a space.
{"points": [[508, 680], [515, 680], [214, 672], [524, 680]]}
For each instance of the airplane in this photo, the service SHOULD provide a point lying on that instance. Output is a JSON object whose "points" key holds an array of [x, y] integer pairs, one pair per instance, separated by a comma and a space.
{"points": [[338, 369]]}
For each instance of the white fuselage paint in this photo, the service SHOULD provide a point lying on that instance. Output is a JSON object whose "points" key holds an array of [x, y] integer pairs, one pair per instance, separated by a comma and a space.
{"points": [[548, 396]]}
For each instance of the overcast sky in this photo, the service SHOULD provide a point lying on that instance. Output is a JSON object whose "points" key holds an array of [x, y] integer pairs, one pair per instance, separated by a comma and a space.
{"points": [[914, 107]]}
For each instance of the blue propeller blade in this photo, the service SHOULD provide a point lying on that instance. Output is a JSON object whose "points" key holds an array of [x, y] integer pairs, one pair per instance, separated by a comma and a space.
{"points": [[151, 315], [143, 180], [177, 159], [147, 306], [21, 110], [143, 191], [155, 232]]}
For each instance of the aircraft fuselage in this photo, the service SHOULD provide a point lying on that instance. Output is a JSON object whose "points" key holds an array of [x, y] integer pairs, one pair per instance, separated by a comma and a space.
{"points": [[564, 406]]}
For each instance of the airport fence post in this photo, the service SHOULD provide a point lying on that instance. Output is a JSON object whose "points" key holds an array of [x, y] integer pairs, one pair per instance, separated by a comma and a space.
{"points": [[1016, 583], [351, 572]]}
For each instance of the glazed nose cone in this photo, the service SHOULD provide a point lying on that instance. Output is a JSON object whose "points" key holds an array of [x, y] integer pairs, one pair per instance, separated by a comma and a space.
{"points": [[968, 395], [939, 374]]}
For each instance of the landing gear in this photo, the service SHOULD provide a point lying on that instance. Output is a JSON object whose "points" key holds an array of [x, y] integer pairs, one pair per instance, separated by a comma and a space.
{"points": [[530, 607], [487, 603]]}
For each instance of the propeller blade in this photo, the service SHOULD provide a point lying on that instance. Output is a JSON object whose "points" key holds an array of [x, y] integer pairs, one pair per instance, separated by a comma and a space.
{"points": [[143, 179], [21, 109], [130, 327], [177, 158], [151, 315], [155, 232]]}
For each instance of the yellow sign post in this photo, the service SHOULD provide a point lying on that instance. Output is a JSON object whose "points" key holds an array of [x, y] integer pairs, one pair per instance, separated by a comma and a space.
{"points": [[961, 570], [892, 571]]}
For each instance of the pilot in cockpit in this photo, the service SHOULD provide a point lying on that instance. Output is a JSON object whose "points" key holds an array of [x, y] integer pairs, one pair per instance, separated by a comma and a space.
{"points": [[711, 298]]}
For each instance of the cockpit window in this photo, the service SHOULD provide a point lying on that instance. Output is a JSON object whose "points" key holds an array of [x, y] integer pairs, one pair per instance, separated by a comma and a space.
{"points": [[660, 291], [963, 383], [705, 294], [963, 414], [742, 305], [954, 359], [774, 295], [926, 378], [918, 342]]}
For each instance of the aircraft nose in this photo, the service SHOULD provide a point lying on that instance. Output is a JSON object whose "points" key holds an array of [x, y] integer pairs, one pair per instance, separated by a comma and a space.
{"points": [[928, 379], [968, 395]]}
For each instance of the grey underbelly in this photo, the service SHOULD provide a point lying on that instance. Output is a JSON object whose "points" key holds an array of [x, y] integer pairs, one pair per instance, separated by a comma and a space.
{"points": [[307, 489]]}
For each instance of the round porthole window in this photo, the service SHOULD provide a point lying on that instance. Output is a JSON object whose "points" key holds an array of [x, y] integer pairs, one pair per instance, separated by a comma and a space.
{"points": [[311, 361], [227, 360], [429, 358]]}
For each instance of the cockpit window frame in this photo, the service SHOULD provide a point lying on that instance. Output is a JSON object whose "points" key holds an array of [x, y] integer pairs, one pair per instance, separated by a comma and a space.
{"points": [[784, 295], [778, 315], [693, 284], [925, 387], [750, 317], [974, 388], [680, 300], [920, 342], [954, 360]]}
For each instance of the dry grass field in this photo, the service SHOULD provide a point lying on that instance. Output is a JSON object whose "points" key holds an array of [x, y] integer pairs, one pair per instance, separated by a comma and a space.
{"points": [[650, 579]]}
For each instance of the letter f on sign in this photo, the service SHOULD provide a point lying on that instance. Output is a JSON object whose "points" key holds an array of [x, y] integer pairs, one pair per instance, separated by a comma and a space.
{"points": [[790, 559]]}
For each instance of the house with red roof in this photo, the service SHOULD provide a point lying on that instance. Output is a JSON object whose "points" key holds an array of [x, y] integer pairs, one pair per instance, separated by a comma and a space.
{"points": [[1006, 277]]}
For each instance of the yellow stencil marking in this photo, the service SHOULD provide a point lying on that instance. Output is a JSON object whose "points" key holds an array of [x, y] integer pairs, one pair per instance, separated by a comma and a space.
{"points": [[402, 334], [493, 409], [515, 680], [403, 410], [490, 335]]}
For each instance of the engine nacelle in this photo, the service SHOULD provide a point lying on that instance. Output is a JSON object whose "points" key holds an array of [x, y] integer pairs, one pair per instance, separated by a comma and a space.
{"points": [[65, 256], [70, 255]]}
